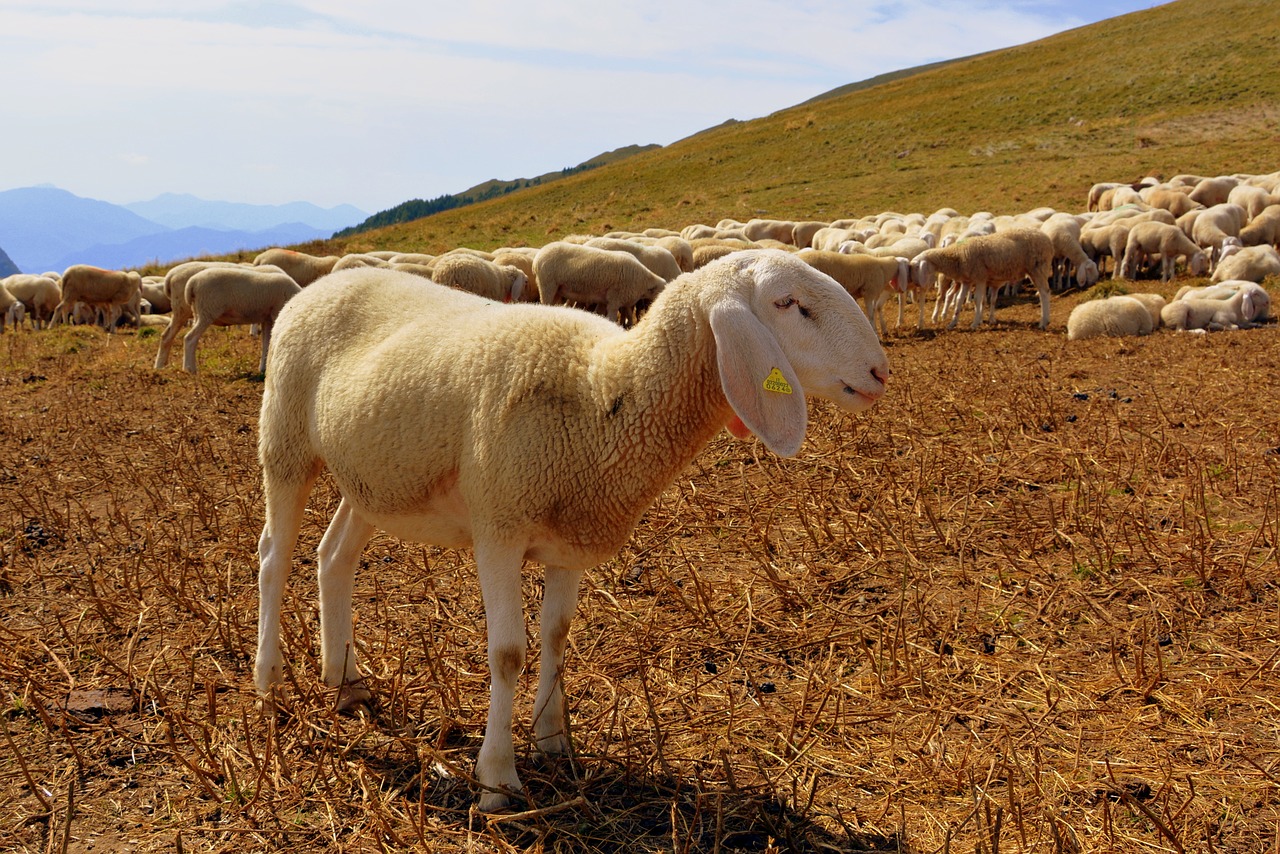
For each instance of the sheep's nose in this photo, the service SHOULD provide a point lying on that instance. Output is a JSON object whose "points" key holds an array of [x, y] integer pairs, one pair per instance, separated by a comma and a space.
{"points": [[881, 374]]}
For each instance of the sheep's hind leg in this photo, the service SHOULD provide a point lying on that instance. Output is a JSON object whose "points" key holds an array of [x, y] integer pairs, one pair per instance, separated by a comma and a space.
{"points": [[498, 566], [336, 560], [559, 601], [285, 504], [189, 342]]}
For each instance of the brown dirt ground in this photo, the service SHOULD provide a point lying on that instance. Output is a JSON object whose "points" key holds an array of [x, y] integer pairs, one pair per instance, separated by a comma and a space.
{"points": [[1029, 602]]}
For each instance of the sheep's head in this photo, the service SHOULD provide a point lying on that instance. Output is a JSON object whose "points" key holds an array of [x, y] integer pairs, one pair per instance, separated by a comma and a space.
{"points": [[1197, 264], [784, 330]]}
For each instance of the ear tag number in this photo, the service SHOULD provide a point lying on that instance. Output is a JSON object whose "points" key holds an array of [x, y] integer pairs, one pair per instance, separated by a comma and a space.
{"points": [[777, 382]]}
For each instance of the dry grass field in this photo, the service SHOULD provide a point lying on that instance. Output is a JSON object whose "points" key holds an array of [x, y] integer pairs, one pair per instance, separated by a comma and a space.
{"points": [[1029, 602]]}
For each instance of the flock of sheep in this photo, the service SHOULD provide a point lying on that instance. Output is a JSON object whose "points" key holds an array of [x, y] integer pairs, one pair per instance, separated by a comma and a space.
{"points": [[462, 416]]}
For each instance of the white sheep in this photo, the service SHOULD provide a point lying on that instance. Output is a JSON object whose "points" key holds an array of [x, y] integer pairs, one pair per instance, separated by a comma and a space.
{"points": [[12, 310], [870, 277], [39, 295], [990, 261], [1069, 257], [1263, 228], [107, 291], [301, 267], [1261, 300], [656, 258], [1149, 239], [1253, 263], [498, 282], [1214, 227], [1213, 191], [614, 281], [1200, 315], [526, 433], [175, 290], [1114, 317], [235, 296]]}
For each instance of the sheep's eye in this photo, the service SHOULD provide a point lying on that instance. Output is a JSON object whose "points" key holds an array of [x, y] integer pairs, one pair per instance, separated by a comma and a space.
{"points": [[785, 302]]}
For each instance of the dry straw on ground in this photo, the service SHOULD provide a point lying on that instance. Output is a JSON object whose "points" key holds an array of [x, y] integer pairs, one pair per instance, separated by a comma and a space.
{"points": [[1028, 603]]}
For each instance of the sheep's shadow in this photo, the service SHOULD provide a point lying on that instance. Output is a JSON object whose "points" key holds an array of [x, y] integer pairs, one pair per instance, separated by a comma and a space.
{"points": [[591, 805]]}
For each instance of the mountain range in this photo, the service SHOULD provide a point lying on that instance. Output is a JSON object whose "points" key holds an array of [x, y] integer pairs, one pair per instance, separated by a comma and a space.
{"points": [[47, 228]]}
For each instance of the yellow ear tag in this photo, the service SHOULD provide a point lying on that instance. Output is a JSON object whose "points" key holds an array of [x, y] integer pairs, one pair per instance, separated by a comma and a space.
{"points": [[777, 382]]}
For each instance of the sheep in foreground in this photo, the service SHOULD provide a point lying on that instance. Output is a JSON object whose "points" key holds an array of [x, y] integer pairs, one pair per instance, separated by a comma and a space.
{"points": [[1263, 228], [614, 281], [990, 261], [1149, 239], [1251, 263], [39, 295], [226, 296], [1201, 315], [108, 291], [525, 433], [1261, 300], [1114, 317]]}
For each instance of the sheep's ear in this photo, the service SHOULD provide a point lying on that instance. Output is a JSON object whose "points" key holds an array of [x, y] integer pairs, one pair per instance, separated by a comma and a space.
{"points": [[757, 378]]}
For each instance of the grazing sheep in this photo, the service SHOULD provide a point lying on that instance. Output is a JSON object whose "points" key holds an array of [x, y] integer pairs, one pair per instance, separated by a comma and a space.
{"points": [[1104, 241], [679, 248], [1069, 257], [802, 234], [359, 259], [234, 296], [421, 258], [1253, 199], [480, 277], [782, 231], [1148, 239], [1213, 191], [657, 259], [1113, 317], [1251, 263], [12, 309], [867, 276], [522, 260], [153, 292], [525, 433], [1214, 227], [175, 289], [614, 281], [1263, 228], [108, 291], [301, 267], [1200, 315], [990, 261], [1175, 202], [39, 295]]}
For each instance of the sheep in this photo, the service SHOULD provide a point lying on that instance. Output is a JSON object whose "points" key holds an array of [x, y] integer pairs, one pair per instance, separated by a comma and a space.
{"points": [[39, 295], [483, 278], [1213, 191], [568, 272], [301, 267], [153, 292], [1068, 255], [175, 288], [1227, 289], [1147, 239], [106, 290], [359, 259], [1263, 228], [522, 260], [12, 309], [412, 258], [1252, 263], [1201, 315], [679, 248], [1253, 199], [1173, 201], [774, 229], [1112, 317], [990, 261], [803, 232], [525, 433], [867, 276], [655, 258], [1216, 226], [232, 296]]}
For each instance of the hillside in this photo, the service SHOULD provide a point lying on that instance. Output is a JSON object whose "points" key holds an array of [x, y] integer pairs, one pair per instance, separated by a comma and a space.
{"points": [[1008, 130]]}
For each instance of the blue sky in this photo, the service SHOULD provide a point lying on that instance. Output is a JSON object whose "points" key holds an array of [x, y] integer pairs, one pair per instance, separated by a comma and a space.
{"points": [[381, 101]]}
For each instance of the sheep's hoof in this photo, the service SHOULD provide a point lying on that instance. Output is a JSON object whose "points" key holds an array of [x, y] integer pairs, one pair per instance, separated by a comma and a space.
{"points": [[353, 697], [497, 801]]}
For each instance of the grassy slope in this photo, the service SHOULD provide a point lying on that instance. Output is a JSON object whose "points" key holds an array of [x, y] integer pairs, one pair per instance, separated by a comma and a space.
{"points": [[1159, 91]]}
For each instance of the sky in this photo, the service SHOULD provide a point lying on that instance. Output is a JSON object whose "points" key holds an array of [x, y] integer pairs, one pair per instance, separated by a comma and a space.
{"points": [[377, 102]]}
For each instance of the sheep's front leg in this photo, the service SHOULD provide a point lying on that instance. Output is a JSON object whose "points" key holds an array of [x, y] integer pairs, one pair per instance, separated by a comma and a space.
{"points": [[498, 566], [559, 601], [336, 560]]}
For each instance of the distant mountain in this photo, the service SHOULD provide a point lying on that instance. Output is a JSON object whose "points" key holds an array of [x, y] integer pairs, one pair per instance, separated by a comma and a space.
{"points": [[179, 210], [7, 267], [45, 228], [491, 189], [39, 225], [184, 243]]}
